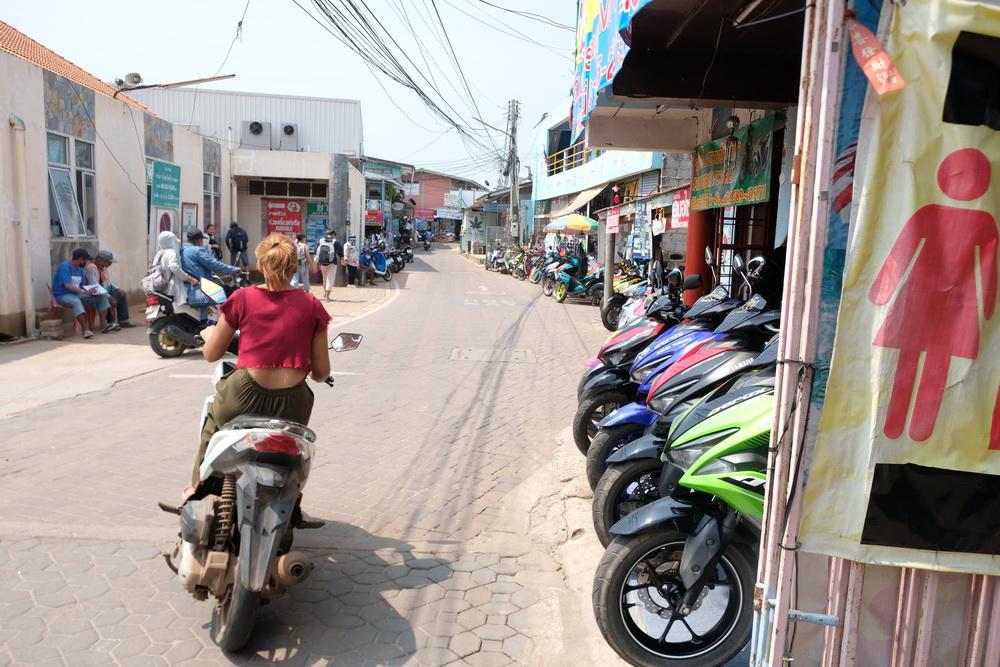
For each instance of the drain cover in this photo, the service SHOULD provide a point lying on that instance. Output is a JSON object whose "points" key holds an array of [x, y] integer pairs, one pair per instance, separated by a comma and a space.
{"points": [[492, 355]]}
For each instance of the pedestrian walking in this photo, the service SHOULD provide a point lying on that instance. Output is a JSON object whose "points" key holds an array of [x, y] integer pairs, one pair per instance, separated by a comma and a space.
{"points": [[211, 242], [351, 260], [329, 260], [237, 242], [301, 277]]}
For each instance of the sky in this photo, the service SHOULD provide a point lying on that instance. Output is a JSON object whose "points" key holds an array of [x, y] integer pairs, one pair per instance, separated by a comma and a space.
{"points": [[282, 51]]}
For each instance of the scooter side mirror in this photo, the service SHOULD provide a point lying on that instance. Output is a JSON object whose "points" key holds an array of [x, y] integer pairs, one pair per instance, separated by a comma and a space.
{"points": [[709, 256], [346, 342], [738, 262], [693, 281]]}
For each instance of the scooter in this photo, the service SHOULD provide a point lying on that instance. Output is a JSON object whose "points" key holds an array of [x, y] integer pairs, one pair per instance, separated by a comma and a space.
{"points": [[590, 287], [236, 528], [173, 329], [676, 583], [373, 261]]}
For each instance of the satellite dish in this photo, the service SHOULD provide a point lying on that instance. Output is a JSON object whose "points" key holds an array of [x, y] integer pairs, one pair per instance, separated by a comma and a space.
{"points": [[133, 78]]}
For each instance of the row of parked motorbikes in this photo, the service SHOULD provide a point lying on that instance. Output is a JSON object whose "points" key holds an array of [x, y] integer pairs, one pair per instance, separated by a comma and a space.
{"points": [[674, 417], [567, 273]]}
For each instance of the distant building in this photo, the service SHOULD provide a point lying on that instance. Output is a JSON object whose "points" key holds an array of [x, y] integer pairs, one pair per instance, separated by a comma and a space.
{"points": [[440, 199]]}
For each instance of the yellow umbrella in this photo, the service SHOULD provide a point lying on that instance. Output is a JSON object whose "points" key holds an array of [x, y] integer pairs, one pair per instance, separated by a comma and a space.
{"points": [[572, 223]]}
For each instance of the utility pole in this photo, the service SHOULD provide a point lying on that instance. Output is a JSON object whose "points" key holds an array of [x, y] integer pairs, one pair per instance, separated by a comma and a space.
{"points": [[515, 167]]}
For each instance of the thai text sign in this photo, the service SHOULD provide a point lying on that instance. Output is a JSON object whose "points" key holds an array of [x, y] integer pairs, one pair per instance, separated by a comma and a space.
{"points": [[906, 469], [423, 213], [165, 189], [680, 209], [736, 170], [283, 216]]}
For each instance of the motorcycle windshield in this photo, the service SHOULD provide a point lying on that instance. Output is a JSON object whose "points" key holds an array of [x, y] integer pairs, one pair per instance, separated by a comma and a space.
{"points": [[752, 308], [769, 356], [710, 300], [708, 409]]}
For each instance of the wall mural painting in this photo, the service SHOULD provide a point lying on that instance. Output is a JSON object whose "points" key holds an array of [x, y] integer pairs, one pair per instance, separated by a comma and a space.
{"points": [[159, 138], [69, 107], [211, 153]]}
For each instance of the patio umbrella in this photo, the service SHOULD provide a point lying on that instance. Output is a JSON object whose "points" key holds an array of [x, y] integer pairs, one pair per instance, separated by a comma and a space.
{"points": [[572, 223]]}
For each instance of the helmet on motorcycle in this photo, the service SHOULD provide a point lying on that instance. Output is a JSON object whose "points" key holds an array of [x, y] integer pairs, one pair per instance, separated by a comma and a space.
{"points": [[756, 268]]}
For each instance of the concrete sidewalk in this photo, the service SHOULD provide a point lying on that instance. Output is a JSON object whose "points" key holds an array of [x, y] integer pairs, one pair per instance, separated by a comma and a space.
{"points": [[39, 372]]}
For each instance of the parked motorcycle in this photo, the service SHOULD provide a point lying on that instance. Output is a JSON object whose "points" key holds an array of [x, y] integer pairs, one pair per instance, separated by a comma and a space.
{"points": [[675, 585], [589, 287], [374, 262], [173, 329], [236, 529]]}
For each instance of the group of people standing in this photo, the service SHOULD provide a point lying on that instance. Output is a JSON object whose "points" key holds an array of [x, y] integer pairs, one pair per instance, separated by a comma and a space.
{"points": [[330, 254]]}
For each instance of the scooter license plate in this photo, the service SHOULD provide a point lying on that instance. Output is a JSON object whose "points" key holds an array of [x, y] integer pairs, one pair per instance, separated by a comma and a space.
{"points": [[152, 312]]}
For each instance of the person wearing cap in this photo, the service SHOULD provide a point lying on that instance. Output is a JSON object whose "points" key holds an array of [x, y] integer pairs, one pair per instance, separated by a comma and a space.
{"points": [[199, 262], [97, 274], [68, 289]]}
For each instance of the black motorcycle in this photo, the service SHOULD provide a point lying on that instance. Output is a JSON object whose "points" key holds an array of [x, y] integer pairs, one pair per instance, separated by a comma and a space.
{"points": [[174, 329]]}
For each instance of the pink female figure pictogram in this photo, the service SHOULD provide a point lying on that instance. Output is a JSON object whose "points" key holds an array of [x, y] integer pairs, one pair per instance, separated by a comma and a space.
{"points": [[936, 312]]}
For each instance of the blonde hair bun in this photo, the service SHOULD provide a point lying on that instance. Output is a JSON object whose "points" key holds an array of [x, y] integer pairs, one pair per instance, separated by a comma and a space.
{"points": [[277, 258]]}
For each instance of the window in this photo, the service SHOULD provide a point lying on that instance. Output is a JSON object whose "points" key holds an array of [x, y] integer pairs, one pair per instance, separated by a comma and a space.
{"points": [[298, 189], [256, 187], [276, 188], [319, 190], [212, 204], [72, 186]]}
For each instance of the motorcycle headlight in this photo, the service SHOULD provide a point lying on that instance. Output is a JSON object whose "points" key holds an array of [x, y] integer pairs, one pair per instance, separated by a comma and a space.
{"points": [[614, 358], [639, 375], [661, 404], [685, 455]]}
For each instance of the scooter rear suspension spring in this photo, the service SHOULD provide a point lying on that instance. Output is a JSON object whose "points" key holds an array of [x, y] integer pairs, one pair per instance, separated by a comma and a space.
{"points": [[224, 514]]}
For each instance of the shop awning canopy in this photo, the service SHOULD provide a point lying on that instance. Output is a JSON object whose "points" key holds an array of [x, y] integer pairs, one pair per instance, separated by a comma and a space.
{"points": [[679, 58], [573, 223], [373, 176], [580, 200]]}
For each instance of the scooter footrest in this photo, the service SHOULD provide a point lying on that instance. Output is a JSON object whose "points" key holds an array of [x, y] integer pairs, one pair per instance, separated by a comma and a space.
{"points": [[169, 509]]}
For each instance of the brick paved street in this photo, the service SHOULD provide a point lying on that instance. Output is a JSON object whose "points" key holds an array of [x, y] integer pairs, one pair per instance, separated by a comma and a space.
{"points": [[457, 526]]}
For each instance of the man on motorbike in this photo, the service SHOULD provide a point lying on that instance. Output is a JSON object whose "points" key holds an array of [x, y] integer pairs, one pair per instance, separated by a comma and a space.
{"points": [[198, 262], [283, 340]]}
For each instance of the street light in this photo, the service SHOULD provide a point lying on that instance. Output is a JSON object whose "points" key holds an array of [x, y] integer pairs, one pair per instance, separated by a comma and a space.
{"points": [[133, 81]]}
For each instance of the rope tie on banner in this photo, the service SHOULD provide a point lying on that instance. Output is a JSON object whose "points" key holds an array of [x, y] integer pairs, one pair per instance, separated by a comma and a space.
{"points": [[806, 369]]}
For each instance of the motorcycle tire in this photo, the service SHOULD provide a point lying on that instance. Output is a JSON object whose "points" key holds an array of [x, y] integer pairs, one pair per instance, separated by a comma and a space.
{"points": [[165, 346], [548, 286], [387, 276], [621, 558], [561, 292], [608, 441], [596, 294], [519, 274], [632, 483], [536, 277], [591, 411], [234, 617], [611, 312]]}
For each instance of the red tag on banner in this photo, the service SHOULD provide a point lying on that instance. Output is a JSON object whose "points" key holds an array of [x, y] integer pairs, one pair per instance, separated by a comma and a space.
{"points": [[873, 59]]}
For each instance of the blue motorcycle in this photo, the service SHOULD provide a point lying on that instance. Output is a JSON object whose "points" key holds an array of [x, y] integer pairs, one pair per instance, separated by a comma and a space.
{"points": [[374, 262]]}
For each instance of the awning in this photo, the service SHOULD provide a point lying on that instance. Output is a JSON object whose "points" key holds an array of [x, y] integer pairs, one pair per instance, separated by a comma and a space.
{"points": [[372, 176], [579, 201]]}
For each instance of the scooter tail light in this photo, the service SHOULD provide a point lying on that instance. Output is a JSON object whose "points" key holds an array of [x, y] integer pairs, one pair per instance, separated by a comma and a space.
{"points": [[152, 300], [278, 443]]}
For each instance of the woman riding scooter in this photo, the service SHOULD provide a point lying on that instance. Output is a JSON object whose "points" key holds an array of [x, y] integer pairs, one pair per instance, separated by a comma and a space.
{"points": [[283, 341]]}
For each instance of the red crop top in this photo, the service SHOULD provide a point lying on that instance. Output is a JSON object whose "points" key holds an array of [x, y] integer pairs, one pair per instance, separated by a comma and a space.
{"points": [[276, 328]]}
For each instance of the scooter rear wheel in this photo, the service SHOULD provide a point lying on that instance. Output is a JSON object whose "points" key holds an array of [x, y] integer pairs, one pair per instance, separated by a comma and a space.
{"points": [[548, 286], [234, 617]]}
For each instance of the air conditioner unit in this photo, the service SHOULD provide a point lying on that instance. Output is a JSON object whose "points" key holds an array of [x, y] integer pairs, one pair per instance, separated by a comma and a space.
{"points": [[288, 140], [256, 134]]}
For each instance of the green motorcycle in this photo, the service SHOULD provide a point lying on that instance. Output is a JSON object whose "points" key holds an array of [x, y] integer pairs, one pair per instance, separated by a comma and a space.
{"points": [[675, 586]]}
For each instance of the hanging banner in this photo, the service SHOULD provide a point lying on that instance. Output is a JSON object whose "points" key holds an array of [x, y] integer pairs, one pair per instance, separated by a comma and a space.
{"points": [[680, 209], [423, 214], [904, 471], [283, 216], [736, 170], [614, 216]]}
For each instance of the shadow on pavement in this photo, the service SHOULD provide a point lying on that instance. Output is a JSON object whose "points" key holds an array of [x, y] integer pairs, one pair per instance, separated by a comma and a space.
{"points": [[350, 610]]}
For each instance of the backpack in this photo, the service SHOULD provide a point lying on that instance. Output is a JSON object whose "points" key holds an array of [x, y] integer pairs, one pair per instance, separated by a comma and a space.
{"points": [[323, 253], [156, 277]]}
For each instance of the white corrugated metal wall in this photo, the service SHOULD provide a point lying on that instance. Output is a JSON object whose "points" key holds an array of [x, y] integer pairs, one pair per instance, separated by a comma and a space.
{"points": [[324, 125]]}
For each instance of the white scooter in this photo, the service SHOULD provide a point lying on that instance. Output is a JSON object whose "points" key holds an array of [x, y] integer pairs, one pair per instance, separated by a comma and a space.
{"points": [[236, 528]]}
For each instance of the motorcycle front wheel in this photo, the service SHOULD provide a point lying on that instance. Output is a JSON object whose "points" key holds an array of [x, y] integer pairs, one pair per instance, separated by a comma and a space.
{"points": [[165, 346], [561, 292], [611, 312], [387, 276], [606, 442], [592, 411], [636, 589], [548, 286], [621, 490], [234, 617]]}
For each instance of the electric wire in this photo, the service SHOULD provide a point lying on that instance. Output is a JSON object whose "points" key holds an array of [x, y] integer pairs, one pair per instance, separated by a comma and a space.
{"points": [[531, 16], [239, 31], [512, 32]]}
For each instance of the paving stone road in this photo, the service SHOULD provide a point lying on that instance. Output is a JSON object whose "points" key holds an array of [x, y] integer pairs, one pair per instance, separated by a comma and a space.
{"points": [[457, 526]]}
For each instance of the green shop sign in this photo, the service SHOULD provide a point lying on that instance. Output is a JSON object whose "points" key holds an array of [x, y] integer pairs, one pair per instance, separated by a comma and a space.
{"points": [[166, 185], [735, 170]]}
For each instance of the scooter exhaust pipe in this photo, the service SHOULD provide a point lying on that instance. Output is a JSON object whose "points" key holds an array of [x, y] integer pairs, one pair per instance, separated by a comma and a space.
{"points": [[292, 568], [185, 337]]}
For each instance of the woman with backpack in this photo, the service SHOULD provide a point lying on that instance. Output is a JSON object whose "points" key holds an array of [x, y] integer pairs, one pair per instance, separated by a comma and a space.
{"points": [[166, 275], [328, 257]]}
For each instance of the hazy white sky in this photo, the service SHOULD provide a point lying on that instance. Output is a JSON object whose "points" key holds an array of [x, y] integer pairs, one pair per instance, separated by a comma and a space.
{"points": [[282, 51]]}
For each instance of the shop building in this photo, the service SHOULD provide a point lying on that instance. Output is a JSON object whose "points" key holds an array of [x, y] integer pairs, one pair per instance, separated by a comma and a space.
{"points": [[83, 165], [439, 200], [293, 159], [487, 220]]}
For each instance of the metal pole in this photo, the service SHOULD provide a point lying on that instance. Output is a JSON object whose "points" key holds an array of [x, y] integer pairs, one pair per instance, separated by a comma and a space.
{"points": [[22, 231], [609, 264]]}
